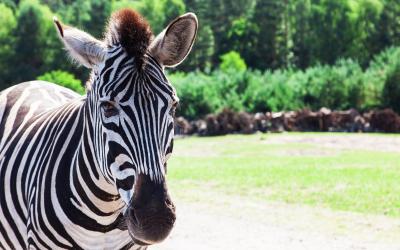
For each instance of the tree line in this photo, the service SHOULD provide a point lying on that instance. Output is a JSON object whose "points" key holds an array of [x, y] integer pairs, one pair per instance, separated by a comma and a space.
{"points": [[263, 35]]}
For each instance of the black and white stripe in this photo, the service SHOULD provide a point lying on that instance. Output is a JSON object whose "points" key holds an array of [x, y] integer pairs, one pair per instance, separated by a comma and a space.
{"points": [[70, 165]]}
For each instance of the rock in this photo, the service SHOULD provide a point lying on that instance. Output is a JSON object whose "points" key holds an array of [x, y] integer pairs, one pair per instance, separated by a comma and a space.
{"points": [[385, 121], [306, 120], [344, 121], [246, 123], [228, 122], [212, 125], [182, 126], [260, 122], [276, 121], [199, 127]]}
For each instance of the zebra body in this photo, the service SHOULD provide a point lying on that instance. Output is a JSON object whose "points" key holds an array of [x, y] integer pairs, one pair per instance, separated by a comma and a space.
{"points": [[34, 174], [88, 172]]}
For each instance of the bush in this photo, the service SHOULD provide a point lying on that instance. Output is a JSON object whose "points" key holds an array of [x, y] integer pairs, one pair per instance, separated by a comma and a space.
{"points": [[64, 79], [382, 78], [341, 86], [197, 93], [337, 87], [232, 61], [271, 91], [391, 91], [229, 86], [201, 94]]}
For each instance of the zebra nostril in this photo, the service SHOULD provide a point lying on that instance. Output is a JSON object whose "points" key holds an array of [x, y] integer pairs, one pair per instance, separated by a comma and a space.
{"points": [[168, 203]]}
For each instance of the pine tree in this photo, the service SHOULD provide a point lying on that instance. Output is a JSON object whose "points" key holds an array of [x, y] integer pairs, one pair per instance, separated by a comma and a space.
{"points": [[269, 34], [33, 56], [7, 25], [95, 25]]}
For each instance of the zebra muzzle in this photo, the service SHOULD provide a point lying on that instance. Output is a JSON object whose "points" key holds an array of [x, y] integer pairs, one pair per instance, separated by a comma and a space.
{"points": [[151, 215]]}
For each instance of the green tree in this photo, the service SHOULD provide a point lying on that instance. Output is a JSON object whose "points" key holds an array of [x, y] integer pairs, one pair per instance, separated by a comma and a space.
{"points": [[64, 79], [10, 4], [220, 15], [95, 24], [387, 28], [33, 41], [391, 91], [200, 58], [269, 34], [340, 29], [365, 16], [153, 10], [173, 9], [120, 4], [7, 25], [241, 35], [300, 22], [232, 61]]}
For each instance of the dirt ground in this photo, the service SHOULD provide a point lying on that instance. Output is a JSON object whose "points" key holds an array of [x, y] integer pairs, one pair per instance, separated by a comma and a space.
{"points": [[212, 222], [386, 143], [278, 226]]}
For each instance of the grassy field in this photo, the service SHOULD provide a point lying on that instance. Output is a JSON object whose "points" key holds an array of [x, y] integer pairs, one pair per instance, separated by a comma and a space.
{"points": [[304, 171]]}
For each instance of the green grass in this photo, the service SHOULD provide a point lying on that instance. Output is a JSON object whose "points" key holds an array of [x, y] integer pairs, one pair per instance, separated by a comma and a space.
{"points": [[302, 173]]}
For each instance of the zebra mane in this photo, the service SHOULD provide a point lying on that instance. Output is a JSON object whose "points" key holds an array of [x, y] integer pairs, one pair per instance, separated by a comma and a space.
{"points": [[132, 31]]}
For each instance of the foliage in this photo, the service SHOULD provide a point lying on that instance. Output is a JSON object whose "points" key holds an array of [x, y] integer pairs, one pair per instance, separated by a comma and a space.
{"points": [[338, 87], [7, 25], [341, 86], [34, 27], [391, 91], [64, 79], [201, 56], [272, 91], [197, 94], [268, 34], [271, 38], [232, 61], [253, 55]]}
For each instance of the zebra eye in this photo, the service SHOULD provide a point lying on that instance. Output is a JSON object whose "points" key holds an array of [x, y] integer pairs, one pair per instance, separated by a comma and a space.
{"points": [[108, 109]]}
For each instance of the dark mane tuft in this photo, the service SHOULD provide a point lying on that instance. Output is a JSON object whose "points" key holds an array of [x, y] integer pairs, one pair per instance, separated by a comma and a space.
{"points": [[132, 31]]}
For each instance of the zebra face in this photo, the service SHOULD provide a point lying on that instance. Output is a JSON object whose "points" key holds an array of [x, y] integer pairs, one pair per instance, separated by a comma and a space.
{"points": [[133, 110], [130, 110]]}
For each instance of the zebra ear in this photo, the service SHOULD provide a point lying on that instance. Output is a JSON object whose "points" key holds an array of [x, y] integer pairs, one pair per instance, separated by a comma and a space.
{"points": [[82, 47], [172, 45]]}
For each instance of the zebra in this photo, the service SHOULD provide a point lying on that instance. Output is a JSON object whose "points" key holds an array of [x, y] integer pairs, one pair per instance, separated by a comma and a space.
{"points": [[89, 172]]}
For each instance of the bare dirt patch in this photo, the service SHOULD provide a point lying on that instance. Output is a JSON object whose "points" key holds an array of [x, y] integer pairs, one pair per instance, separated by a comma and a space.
{"points": [[342, 141], [229, 223]]}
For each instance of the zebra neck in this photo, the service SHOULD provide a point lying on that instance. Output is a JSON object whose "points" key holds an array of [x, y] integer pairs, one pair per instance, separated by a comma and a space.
{"points": [[94, 190]]}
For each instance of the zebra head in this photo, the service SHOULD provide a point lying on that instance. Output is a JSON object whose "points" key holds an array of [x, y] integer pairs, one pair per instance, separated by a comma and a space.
{"points": [[129, 111]]}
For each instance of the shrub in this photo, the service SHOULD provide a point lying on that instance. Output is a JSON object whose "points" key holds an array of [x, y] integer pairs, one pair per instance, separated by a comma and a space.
{"points": [[201, 94], [337, 87], [380, 79], [341, 86], [64, 79], [232, 61], [197, 93], [391, 91], [229, 86], [271, 91]]}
